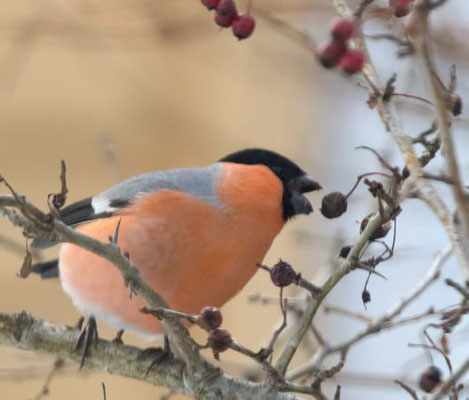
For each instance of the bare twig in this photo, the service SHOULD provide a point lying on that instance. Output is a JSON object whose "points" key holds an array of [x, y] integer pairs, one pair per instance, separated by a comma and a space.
{"points": [[407, 388], [58, 363], [387, 113], [343, 269], [379, 324]]}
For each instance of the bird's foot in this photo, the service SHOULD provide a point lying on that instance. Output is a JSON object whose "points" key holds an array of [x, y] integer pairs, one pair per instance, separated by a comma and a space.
{"points": [[88, 337], [157, 355], [118, 338]]}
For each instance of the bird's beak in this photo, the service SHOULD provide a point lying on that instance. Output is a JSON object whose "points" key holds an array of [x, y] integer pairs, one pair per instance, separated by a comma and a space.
{"points": [[305, 184], [298, 186]]}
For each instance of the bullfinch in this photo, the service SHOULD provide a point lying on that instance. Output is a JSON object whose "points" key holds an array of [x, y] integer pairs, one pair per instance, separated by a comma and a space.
{"points": [[196, 235]]}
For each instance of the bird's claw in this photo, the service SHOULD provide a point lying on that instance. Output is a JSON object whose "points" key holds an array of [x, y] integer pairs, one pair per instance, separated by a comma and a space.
{"points": [[157, 355], [88, 337]]}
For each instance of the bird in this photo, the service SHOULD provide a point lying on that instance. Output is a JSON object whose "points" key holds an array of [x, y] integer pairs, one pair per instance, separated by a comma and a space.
{"points": [[196, 235]]}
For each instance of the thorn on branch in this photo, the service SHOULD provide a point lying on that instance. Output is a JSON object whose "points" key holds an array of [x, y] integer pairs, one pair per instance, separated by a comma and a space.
{"points": [[462, 290], [389, 88], [337, 393], [405, 47], [57, 200]]}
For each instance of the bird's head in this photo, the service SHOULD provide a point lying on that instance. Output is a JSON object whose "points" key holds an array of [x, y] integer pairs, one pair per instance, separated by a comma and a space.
{"points": [[295, 181]]}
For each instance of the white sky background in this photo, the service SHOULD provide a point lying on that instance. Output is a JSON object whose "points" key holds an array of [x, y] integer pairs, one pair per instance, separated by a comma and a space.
{"points": [[348, 122]]}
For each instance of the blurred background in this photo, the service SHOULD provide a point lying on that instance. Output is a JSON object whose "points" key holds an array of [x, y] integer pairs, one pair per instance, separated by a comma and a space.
{"points": [[119, 87]]}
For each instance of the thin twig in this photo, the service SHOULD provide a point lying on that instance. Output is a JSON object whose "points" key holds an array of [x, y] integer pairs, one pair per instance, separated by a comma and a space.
{"points": [[407, 388]]}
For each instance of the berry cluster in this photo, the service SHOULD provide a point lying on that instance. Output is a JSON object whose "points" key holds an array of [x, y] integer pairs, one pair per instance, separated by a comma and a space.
{"points": [[226, 15], [219, 340], [336, 52], [400, 8]]}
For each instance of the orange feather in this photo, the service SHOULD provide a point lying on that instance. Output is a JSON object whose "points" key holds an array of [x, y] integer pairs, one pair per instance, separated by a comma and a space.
{"points": [[191, 252]]}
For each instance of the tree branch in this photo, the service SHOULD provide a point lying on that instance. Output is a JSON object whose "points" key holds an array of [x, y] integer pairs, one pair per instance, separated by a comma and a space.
{"points": [[23, 331], [387, 112], [343, 269]]}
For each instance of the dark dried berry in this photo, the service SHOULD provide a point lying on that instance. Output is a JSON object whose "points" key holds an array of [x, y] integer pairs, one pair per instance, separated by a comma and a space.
{"points": [[210, 4], [430, 379], [366, 296], [330, 54], [333, 205], [405, 173], [223, 21], [209, 318], [344, 251], [219, 341], [352, 61], [380, 232], [342, 29], [243, 26], [283, 274], [227, 8]]}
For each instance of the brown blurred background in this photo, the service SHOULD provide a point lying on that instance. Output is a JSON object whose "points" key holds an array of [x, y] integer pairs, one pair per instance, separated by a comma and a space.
{"points": [[119, 87]]}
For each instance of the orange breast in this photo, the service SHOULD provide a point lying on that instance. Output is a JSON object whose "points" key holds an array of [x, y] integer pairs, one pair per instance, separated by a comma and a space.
{"points": [[191, 252]]}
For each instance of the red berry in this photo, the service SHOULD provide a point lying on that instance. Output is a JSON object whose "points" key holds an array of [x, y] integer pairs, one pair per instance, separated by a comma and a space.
{"points": [[342, 29], [243, 26], [352, 62], [400, 8], [223, 21], [227, 8], [330, 54], [210, 4]]}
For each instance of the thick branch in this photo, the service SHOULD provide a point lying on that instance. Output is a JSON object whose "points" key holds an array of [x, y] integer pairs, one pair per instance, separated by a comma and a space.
{"points": [[25, 332], [439, 97]]}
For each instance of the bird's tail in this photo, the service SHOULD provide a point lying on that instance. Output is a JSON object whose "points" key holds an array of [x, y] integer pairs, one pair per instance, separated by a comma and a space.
{"points": [[47, 269]]}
